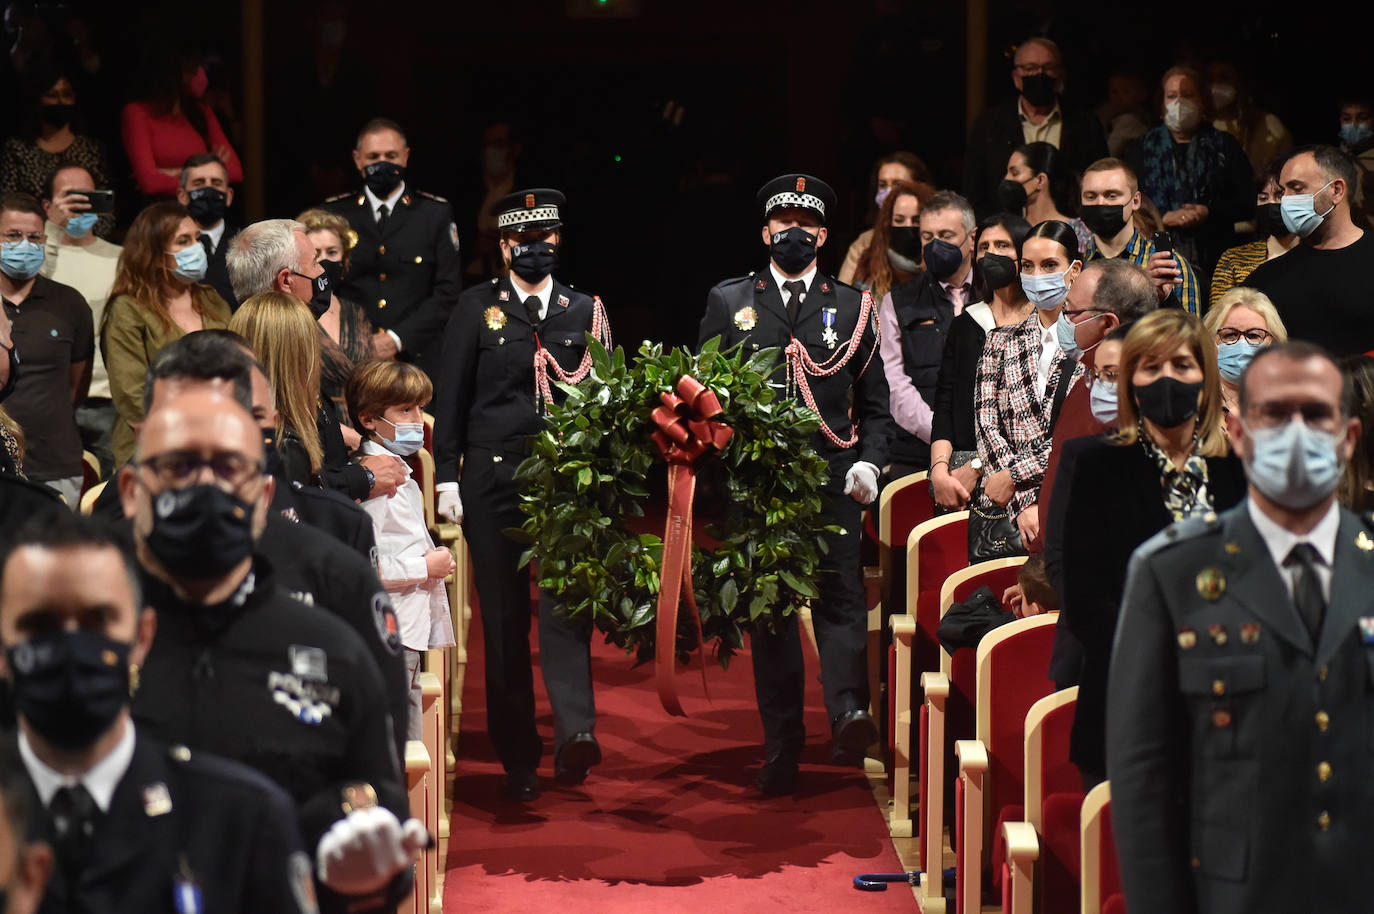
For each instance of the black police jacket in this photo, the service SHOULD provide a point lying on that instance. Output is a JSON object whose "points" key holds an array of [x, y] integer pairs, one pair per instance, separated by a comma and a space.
{"points": [[486, 395], [406, 275], [283, 687], [749, 311], [177, 814]]}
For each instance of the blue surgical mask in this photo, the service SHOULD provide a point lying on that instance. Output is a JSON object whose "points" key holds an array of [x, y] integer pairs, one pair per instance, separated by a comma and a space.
{"points": [[1233, 357], [410, 437], [1294, 465], [1356, 134], [192, 263], [80, 225], [1102, 402], [1068, 343], [1045, 290], [21, 260], [1300, 213]]}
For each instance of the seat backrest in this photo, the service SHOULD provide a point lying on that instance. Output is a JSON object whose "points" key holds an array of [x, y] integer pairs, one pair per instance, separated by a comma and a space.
{"points": [[1054, 794], [90, 471], [88, 497], [934, 549], [996, 574], [422, 469], [904, 503], [1101, 878], [429, 432], [1013, 674]]}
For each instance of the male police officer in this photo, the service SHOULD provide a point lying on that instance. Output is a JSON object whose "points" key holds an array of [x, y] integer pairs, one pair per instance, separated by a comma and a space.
{"points": [[1239, 705], [505, 344], [793, 302], [135, 825], [405, 270], [242, 669]]}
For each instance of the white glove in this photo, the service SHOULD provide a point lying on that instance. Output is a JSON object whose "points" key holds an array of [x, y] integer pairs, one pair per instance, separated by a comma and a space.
{"points": [[451, 507], [861, 482], [365, 850]]}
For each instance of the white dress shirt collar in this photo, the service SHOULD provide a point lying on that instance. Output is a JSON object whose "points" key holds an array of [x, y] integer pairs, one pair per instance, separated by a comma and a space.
{"points": [[543, 293], [216, 233], [1280, 542], [100, 781], [374, 202], [805, 279]]}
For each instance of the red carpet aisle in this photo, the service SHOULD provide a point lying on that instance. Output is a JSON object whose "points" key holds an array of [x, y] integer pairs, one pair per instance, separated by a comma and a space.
{"points": [[668, 822]]}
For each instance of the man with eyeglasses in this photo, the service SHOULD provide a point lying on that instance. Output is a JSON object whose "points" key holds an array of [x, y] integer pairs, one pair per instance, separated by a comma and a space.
{"points": [[1239, 703], [1033, 115], [53, 336], [242, 669], [1322, 287]]}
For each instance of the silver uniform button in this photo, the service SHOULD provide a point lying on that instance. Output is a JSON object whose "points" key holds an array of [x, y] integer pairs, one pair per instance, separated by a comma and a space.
{"points": [[496, 458]]}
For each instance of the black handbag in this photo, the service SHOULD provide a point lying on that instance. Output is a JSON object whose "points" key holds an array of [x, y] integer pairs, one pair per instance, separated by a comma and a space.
{"points": [[992, 534]]}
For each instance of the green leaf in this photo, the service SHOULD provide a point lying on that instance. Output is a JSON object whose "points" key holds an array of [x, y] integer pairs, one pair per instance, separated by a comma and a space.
{"points": [[729, 595]]}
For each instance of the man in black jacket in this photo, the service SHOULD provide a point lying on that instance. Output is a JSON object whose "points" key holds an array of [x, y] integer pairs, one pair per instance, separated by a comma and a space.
{"points": [[207, 195], [1033, 115], [792, 301]]}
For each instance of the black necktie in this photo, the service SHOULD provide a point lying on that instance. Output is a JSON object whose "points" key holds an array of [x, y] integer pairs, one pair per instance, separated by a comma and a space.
{"points": [[1307, 592], [795, 289], [532, 309], [73, 812], [382, 215], [207, 243]]}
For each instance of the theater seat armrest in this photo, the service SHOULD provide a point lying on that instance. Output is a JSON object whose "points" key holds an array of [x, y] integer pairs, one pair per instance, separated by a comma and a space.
{"points": [[1022, 841], [973, 755], [902, 625], [936, 685]]}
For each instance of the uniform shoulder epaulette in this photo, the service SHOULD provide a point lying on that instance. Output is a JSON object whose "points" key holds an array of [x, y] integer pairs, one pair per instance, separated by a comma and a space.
{"points": [[844, 285], [337, 197], [1189, 528], [435, 197], [737, 279]]}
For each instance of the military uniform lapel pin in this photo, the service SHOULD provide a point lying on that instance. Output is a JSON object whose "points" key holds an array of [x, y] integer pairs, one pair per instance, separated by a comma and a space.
{"points": [[1187, 638], [495, 318], [1363, 542], [1211, 584], [504, 296], [563, 300], [761, 285], [1250, 632], [156, 800], [1367, 629]]}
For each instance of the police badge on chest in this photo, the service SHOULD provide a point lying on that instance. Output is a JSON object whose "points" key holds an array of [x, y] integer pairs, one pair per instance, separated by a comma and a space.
{"points": [[305, 691]]}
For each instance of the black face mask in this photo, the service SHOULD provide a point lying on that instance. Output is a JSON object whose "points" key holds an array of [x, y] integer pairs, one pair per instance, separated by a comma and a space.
{"points": [[1011, 195], [383, 177], [1039, 89], [533, 260], [1103, 220], [206, 205], [13, 379], [942, 258], [57, 115], [997, 271], [70, 686], [906, 240], [1269, 220], [322, 287], [1168, 402], [200, 531], [793, 250]]}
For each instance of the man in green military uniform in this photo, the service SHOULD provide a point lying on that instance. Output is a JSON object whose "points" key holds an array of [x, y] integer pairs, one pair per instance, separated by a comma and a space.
{"points": [[1240, 704], [404, 268]]}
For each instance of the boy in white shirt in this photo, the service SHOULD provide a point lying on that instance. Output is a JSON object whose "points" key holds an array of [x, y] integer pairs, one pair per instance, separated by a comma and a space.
{"points": [[385, 399]]}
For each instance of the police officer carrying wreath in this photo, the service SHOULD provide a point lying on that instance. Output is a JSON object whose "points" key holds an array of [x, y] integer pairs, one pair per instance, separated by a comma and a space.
{"points": [[828, 331], [506, 346], [1240, 705], [405, 270]]}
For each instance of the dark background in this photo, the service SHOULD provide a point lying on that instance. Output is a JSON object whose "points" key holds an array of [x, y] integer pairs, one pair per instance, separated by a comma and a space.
{"points": [[658, 211]]}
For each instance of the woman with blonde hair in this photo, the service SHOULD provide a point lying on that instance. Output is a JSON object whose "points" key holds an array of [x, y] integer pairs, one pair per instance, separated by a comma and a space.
{"points": [[159, 295], [1167, 461], [283, 334], [1243, 321]]}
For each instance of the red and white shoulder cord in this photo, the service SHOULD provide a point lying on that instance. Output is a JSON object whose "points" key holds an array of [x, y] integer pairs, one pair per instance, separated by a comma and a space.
{"points": [[544, 360], [800, 365]]}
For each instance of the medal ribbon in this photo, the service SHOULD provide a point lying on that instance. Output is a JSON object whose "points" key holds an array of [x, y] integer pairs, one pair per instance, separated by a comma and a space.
{"points": [[686, 428], [800, 365]]}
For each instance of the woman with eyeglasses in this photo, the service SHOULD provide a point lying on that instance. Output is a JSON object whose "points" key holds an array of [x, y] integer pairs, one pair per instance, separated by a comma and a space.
{"points": [[1167, 460], [1242, 322]]}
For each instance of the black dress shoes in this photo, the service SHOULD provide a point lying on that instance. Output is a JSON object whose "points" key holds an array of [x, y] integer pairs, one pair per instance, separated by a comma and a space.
{"points": [[851, 734], [778, 776], [522, 785], [576, 757]]}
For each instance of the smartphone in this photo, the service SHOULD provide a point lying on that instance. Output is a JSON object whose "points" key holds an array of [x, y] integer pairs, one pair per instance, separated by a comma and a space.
{"points": [[102, 201], [1163, 242]]}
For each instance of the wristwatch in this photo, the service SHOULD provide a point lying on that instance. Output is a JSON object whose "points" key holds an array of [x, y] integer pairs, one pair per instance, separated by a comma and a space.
{"points": [[977, 464], [371, 477]]}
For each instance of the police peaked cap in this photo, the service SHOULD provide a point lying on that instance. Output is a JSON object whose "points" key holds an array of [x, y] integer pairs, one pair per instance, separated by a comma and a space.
{"points": [[802, 191], [533, 210]]}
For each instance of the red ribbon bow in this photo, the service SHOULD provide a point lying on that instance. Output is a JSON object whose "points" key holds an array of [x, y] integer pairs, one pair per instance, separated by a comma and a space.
{"points": [[687, 428]]}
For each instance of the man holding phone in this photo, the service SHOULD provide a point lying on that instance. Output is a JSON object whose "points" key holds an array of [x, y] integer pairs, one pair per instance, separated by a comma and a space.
{"points": [[75, 257], [1110, 198]]}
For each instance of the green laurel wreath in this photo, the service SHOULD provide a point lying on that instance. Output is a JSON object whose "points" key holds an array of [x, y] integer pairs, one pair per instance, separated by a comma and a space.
{"points": [[589, 471]]}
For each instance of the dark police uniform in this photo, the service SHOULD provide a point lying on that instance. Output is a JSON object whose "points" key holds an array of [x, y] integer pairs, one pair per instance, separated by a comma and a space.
{"points": [[923, 317], [282, 687], [750, 311], [486, 412], [181, 821], [1238, 749], [406, 274]]}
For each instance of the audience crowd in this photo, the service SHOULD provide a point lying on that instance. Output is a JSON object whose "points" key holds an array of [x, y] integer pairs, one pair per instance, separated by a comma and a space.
{"points": [[1065, 341]]}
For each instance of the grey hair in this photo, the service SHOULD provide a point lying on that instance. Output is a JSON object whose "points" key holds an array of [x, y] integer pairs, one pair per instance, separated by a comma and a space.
{"points": [[948, 199], [1046, 43], [258, 253]]}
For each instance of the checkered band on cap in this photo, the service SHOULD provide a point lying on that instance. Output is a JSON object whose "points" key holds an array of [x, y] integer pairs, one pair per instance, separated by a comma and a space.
{"points": [[790, 198], [521, 216]]}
